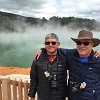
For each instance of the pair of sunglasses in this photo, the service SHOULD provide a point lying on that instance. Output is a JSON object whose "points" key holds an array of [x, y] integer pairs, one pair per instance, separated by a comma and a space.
{"points": [[48, 43], [86, 43]]}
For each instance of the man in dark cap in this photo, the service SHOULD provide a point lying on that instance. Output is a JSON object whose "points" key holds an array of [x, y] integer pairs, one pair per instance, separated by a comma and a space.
{"points": [[48, 76]]}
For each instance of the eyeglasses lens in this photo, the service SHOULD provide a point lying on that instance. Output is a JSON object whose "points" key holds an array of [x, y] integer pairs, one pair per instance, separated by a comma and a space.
{"points": [[84, 43], [48, 43]]}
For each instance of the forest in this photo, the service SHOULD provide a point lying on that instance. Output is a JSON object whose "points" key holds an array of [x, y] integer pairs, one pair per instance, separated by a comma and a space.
{"points": [[10, 22]]}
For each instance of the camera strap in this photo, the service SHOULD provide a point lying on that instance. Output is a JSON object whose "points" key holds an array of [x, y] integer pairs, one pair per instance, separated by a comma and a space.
{"points": [[48, 72]]}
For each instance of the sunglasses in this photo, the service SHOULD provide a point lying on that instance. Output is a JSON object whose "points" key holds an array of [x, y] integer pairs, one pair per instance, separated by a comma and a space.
{"points": [[48, 43], [86, 43]]}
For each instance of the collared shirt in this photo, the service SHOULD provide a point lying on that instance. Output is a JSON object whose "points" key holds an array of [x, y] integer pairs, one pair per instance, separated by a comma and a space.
{"points": [[83, 59], [51, 58]]}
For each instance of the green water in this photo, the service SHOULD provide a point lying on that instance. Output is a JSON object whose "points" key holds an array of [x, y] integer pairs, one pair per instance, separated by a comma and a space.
{"points": [[17, 49]]}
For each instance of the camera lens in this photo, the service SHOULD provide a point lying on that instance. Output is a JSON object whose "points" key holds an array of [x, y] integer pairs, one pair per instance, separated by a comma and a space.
{"points": [[54, 82], [75, 87]]}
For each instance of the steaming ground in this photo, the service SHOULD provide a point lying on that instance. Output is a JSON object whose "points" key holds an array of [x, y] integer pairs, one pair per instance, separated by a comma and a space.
{"points": [[17, 49]]}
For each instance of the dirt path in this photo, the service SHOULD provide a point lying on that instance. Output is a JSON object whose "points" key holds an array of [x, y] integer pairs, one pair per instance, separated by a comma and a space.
{"points": [[14, 70]]}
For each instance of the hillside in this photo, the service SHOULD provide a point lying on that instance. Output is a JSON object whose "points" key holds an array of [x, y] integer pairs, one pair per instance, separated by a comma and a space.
{"points": [[14, 23]]}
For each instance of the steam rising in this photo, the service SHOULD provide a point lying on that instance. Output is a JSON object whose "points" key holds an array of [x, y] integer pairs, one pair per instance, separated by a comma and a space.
{"points": [[17, 49]]}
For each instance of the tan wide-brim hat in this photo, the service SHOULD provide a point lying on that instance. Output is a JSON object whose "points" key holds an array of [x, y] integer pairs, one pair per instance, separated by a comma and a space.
{"points": [[87, 35]]}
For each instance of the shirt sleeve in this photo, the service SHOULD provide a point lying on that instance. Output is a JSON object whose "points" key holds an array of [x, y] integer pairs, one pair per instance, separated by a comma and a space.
{"points": [[33, 80], [67, 53]]}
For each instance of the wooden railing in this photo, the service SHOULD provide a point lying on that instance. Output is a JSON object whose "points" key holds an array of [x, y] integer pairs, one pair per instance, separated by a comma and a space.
{"points": [[14, 89]]}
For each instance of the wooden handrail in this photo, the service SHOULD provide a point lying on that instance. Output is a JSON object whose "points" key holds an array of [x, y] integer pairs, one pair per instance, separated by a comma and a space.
{"points": [[13, 89], [6, 90]]}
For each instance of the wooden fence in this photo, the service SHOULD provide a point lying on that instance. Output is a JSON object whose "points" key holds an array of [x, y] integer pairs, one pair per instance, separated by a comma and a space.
{"points": [[14, 89]]}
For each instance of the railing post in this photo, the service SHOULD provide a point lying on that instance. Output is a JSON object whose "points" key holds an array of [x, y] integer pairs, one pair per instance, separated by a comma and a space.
{"points": [[26, 90], [20, 90], [14, 83], [0, 90], [6, 90]]}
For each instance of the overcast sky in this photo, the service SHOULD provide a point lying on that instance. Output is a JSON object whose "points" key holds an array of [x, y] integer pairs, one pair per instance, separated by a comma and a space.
{"points": [[48, 8]]}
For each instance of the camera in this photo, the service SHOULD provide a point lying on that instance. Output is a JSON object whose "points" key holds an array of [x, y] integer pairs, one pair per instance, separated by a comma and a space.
{"points": [[75, 87], [53, 81]]}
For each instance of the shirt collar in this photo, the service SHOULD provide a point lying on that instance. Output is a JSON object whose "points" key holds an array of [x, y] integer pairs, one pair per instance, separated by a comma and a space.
{"points": [[83, 59]]}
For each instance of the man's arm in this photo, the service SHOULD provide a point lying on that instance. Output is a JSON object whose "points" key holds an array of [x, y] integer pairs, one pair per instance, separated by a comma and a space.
{"points": [[65, 52], [37, 55], [33, 81]]}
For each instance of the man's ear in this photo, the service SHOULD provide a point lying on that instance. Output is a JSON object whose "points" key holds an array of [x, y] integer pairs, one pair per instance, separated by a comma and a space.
{"points": [[59, 43]]}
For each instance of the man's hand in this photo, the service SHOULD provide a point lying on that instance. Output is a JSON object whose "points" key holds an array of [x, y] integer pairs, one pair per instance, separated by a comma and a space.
{"points": [[83, 85], [96, 54], [37, 55]]}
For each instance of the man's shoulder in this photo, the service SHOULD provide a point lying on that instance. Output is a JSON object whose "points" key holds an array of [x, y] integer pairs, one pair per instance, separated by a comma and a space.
{"points": [[67, 52], [97, 58]]}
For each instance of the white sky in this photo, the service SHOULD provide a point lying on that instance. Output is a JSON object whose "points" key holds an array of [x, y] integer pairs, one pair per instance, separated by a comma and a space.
{"points": [[48, 8]]}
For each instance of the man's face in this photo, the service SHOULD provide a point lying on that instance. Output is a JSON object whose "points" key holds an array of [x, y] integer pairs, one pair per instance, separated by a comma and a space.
{"points": [[84, 47], [51, 46]]}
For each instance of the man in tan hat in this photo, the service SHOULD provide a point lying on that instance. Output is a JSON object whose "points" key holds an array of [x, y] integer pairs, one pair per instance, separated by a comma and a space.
{"points": [[85, 38], [84, 68]]}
